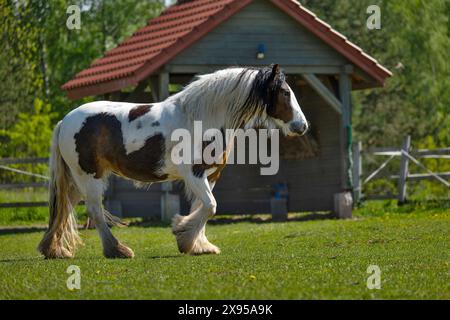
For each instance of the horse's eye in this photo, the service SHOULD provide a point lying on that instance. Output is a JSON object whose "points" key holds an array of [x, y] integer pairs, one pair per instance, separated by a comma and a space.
{"points": [[287, 93]]}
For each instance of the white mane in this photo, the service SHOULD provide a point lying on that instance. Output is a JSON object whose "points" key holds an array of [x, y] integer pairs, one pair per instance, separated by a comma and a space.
{"points": [[211, 94]]}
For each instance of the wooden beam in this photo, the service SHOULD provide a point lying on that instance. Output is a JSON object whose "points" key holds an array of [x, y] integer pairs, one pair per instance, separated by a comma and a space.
{"points": [[345, 91], [11, 186], [6, 161], [403, 171], [153, 81], [29, 204], [323, 91], [422, 176], [357, 172], [288, 69], [163, 85]]}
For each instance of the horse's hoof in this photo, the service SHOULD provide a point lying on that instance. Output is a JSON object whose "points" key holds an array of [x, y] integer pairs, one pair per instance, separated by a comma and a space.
{"points": [[119, 252], [201, 247], [184, 245], [185, 236], [59, 254], [56, 253]]}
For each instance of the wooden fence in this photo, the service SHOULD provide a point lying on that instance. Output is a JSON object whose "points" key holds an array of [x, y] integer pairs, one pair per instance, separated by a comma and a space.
{"points": [[5, 165], [407, 156]]}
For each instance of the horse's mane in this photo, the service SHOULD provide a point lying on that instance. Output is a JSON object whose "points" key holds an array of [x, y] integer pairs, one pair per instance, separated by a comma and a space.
{"points": [[244, 92]]}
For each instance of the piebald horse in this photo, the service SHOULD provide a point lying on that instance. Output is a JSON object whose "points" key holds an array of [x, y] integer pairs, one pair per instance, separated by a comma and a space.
{"points": [[133, 141]]}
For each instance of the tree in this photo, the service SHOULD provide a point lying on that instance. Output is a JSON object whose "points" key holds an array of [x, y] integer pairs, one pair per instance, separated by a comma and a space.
{"points": [[39, 53], [22, 80], [414, 43]]}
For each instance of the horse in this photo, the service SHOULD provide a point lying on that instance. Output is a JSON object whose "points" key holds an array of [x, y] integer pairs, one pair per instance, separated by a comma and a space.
{"points": [[132, 141]]}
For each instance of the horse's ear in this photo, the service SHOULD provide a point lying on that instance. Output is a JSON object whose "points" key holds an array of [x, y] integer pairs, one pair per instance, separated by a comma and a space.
{"points": [[275, 71]]}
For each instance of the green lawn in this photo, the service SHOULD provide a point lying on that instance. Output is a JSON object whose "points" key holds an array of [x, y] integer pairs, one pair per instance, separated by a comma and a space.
{"points": [[315, 259]]}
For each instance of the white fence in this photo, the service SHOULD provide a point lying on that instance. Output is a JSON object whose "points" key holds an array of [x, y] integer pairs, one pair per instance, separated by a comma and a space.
{"points": [[407, 156]]}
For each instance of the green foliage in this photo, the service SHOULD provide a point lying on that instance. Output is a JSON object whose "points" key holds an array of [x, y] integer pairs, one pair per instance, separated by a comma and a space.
{"points": [[31, 134], [21, 80], [414, 43], [39, 53], [103, 24]]}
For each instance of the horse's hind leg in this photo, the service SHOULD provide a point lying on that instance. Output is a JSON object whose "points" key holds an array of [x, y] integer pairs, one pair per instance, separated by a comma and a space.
{"points": [[190, 230], [112, 248]]}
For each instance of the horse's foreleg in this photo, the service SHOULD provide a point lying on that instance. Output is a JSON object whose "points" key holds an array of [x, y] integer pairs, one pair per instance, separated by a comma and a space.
{"points": [[202, 244], [190, 230], [112, 248]]}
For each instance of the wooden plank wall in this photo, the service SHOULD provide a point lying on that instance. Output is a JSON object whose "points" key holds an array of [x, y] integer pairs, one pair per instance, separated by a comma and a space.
{"points": [[311, 182], [136, 202], [235, 42]]}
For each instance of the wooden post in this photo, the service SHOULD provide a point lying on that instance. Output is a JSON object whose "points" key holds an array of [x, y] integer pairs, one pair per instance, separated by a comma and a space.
{"points": [[112, 204], [403, 171], [324, 92], [357, 172], [154, 88], [163, 85], [343, 202], [170, 203], [345, 90]]}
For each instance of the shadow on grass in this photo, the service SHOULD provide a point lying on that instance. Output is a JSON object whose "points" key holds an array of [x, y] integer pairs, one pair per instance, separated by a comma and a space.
{"points": [[228, 219], [20, 260], [219, 220], [268, 219], [171, 256], [20, 230]]}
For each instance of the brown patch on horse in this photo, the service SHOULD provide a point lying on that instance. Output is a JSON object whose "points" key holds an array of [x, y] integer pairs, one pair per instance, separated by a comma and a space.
{"points": [[138, 111], [282, 108], [213, 177], [100, 148], [199, 169]]}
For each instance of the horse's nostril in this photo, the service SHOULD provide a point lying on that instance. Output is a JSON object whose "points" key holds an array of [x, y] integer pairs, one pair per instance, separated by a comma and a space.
{"points": [[298, 127]]}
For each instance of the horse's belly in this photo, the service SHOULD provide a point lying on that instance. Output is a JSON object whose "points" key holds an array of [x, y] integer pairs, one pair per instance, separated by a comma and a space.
{"points": [[144, 164]]}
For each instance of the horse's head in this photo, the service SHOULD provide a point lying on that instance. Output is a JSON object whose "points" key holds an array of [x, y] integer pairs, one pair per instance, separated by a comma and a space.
{"points": [[281, 105]]}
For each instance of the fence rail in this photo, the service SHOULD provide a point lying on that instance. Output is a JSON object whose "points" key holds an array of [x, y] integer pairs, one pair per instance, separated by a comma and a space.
{"points": [[406, 155], [443, 153], [4, 165], [11, 186], [8, 161]]}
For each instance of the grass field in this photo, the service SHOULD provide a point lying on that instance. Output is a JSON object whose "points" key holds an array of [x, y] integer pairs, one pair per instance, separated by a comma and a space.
{"points": [[300, 259]]}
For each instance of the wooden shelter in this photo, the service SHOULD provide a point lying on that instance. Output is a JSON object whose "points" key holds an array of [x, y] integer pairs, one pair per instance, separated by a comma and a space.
{"points": [[200, 36]]}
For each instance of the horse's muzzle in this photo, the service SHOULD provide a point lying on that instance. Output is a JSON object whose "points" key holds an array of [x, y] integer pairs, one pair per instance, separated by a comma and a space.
{"points": [[298, 127]]}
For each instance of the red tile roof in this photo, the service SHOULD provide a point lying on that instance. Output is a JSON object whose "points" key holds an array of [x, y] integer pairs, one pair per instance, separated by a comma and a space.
{"points": [[178, 27]]}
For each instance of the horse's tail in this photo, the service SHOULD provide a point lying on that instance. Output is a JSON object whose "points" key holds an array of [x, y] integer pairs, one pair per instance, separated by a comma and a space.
{"points": [[61, 238]]}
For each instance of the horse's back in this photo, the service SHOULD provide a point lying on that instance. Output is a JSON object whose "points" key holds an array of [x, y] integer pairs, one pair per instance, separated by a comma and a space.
{"points": [[124, 138]]}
